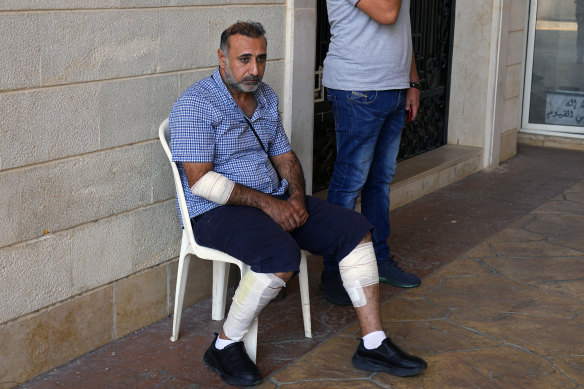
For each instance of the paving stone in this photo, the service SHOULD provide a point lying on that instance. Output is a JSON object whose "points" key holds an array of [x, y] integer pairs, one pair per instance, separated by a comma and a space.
{"points": [[436, 336], [538, 270], [331, 360], [532, 249], [480, 251], [518, 234], [402, 308], [559, 228], [543, 334], [496, 293], [501, 367], [571, 289], [573, 366]]}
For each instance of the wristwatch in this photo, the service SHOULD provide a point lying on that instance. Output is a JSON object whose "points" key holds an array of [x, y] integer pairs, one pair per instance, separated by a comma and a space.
{"points": [[414, 85]]}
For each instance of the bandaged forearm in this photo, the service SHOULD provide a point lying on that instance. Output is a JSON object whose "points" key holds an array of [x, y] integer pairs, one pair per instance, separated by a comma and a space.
{"points": [[254, 292], [358, 270], [214, 186]]}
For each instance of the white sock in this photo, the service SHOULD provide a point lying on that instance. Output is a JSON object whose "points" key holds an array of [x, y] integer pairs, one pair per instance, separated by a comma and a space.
{"points": [[373, 339], [220, 344]]}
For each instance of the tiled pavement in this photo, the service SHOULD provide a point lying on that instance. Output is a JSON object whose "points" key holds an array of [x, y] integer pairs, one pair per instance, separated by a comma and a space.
{"points": [[501, 303]]}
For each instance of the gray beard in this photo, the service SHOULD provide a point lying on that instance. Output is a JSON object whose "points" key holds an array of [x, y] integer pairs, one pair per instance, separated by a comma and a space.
{"points": [[239, 86]]}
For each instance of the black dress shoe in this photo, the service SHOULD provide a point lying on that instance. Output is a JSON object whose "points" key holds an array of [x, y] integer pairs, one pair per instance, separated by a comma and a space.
{"points": [[233, 364], [388, 358], [334, 291]]}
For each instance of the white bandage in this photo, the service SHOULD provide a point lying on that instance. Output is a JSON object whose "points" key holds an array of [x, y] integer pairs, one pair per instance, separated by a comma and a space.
{"points": [[254, 292], [214, 186], [359, 269]]}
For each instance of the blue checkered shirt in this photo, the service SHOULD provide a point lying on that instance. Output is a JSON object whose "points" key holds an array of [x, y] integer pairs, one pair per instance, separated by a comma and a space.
{"points": [[207, 126]]}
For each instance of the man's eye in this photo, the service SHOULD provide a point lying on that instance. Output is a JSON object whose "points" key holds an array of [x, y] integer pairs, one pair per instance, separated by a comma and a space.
{"points": [[245, 60], [261, 59]]}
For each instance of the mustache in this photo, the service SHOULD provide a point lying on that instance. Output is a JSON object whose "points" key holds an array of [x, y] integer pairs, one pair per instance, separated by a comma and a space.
{"points": [[251, 78]]}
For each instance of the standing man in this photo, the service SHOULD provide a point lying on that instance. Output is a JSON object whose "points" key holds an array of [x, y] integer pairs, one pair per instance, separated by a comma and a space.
{"points": [[371, 77]]}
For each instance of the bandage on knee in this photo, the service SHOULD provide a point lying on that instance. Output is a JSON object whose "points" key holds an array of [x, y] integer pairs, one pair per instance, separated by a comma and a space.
{"points": [[358, 270], [214, 187], [254, 292]]}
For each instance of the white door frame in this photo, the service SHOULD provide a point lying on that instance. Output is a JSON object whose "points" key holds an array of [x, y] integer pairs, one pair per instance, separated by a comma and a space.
{"points": [[533, 128]]}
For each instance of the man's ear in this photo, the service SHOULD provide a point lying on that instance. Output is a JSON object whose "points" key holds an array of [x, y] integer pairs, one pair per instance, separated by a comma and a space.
{"points": [[221, 56]]}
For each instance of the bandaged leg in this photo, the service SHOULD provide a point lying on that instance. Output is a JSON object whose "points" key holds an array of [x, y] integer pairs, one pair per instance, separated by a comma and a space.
{"points": [[254, 292], [358, 270]]}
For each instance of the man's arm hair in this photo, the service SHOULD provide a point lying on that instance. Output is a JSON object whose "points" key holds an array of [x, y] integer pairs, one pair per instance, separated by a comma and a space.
{"points": [[382, 11], [288, 166], [280, 211], [241, 195]]}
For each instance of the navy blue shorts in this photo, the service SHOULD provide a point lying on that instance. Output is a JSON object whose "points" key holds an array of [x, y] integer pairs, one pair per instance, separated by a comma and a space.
{"points": [[251, 236]]}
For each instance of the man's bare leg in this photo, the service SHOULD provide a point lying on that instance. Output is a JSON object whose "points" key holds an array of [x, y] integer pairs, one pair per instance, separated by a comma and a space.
{"points": [[376, 352]]}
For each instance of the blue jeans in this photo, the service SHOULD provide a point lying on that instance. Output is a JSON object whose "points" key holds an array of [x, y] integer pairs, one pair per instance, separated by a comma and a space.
{"points": [[368, 126]]}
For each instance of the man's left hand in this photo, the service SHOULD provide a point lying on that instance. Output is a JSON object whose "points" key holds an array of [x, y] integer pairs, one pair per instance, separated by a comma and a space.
{"points": [[413, 101], [298, 202]]}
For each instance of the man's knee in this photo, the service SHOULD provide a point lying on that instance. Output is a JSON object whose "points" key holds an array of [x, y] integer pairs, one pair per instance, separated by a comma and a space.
{"points": [[359, 270], [285, 276], [367, 238]]}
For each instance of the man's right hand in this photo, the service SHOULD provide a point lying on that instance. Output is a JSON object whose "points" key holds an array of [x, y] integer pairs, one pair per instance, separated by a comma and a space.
{"points": [[283, 213]]}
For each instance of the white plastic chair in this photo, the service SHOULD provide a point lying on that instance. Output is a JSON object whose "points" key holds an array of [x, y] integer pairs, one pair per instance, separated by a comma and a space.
{"points": [[220, 260]]}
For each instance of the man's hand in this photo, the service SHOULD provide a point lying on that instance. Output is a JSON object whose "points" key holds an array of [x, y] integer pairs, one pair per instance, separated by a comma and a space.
{"points": [[298, 202], [413, 102], [289, 214]]}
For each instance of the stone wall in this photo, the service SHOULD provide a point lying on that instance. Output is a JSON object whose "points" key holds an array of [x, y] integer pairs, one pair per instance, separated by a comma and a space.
{"points": [[514, 74], [487, 73], [88, 226]]}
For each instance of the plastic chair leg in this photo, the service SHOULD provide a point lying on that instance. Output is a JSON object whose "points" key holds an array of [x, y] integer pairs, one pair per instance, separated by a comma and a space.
{"points": [[220, 279], [304, 295], [181, 281]]}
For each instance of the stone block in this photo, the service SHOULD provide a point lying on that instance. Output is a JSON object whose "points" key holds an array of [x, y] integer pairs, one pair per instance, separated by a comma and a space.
{"points": [[199, 282], [48, 338], [518, 16], [131, 110], [34, 275], [162, 179], [201, 30], [71, 192], [508, 145], [516, 48], [199, 41], [25, 5], [19, 43], [470, 64], [102, 251], [274, 77], [511, 114], [139, 300], [156, 235], [13, 5], [513, 79], [96, 45], [47, 124], [11, 227]]}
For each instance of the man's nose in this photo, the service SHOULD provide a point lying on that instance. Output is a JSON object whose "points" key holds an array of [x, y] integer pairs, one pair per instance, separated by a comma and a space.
{"points": [[254, 68]]}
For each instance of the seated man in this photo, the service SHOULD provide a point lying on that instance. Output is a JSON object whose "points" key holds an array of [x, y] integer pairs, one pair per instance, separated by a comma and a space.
{"points": [[245, 191]]}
